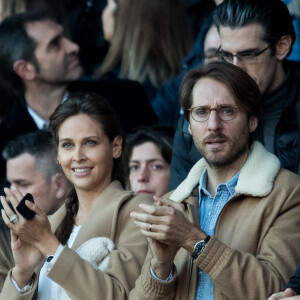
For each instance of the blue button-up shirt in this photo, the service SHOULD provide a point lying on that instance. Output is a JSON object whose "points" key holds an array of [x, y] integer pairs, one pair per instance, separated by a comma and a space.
{"points": [[209, 211]]}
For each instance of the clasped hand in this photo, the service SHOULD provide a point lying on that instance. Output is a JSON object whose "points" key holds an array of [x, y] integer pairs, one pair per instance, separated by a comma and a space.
{"points": [[166, 223]]}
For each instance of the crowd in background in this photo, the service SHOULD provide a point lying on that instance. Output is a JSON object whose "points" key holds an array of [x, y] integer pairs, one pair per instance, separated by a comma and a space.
{"points": [[110, 78]]}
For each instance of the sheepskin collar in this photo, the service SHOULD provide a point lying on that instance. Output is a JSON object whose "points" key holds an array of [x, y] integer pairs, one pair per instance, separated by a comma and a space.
{"points": [[256, 177]]}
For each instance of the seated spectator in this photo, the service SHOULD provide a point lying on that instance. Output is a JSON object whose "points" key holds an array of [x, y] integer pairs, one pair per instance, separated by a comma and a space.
{"points": [[92, 249], [230, 230], [148, 40], [32, 168], [292, 291], [147, 160]]}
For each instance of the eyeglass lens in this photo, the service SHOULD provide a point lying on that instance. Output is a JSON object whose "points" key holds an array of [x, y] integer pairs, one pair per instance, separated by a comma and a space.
{"points": [[202, 113]]}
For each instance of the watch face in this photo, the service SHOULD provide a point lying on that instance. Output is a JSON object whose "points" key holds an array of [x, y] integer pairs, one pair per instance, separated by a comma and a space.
{"points": [[199, 247], [49, 258]]}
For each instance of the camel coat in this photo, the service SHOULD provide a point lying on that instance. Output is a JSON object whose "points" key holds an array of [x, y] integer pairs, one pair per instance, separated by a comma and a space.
{"points": [[108, 217]]}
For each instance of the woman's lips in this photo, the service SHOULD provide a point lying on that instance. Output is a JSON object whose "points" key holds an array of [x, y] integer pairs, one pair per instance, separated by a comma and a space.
{"points": [[144, 192], [83, 171]]}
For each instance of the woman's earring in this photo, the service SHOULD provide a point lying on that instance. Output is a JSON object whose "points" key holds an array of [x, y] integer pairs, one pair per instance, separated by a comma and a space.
{"points": [[58, 161]]}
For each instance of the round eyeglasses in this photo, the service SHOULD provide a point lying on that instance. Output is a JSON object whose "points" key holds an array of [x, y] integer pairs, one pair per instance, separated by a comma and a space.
{"points": [[224, 112]]}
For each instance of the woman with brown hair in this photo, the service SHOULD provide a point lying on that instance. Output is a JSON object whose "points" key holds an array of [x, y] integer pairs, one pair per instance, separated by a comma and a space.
{"points": [[96, 251], [148, 40]]}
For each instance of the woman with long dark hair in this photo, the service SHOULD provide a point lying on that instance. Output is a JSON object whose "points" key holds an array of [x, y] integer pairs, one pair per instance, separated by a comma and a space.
{"points": [[96, 252]]}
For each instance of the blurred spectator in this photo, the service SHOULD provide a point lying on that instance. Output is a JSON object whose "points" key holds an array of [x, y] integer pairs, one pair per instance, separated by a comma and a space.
{"points": [[55, 10], [148, 159], [148, 40], [166, 102]]}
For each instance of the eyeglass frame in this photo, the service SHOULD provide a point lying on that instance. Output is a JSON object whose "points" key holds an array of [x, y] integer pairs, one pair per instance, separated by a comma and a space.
{"points": [[235, 108], [220, 54]]}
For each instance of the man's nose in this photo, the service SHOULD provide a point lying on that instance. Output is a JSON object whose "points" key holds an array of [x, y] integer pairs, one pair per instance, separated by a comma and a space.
{"points": [[214, 122], [237, 62], [71, 47]]}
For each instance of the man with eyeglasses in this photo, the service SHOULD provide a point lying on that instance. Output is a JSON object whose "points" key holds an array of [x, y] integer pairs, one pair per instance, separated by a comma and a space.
{"points": [[257, 36], [230, 229]]}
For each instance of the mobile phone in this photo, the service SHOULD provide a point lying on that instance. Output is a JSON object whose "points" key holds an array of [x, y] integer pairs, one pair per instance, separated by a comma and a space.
{"points": [[27, 213]]}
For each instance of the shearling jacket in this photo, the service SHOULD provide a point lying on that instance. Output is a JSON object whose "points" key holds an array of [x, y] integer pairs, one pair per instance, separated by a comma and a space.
{"points": [[255, 247], [108, 217]]}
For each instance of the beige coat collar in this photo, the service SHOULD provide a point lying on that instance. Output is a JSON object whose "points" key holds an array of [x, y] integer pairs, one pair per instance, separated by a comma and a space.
{"points": [[256, 177]]}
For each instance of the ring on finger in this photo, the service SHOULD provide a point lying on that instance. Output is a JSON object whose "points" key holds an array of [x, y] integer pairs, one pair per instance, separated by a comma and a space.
{"points": [[14, 218], [150, 227]]}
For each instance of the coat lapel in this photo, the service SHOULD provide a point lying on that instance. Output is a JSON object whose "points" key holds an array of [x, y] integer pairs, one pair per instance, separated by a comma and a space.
{"points": [[102, 215]]}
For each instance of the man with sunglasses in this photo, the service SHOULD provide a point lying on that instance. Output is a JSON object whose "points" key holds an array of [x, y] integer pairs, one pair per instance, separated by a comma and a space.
{"points": [[257, 36], [229, 229]]}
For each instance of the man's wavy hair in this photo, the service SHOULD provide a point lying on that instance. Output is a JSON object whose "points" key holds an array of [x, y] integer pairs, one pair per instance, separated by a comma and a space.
{"points": [[273, 15]]}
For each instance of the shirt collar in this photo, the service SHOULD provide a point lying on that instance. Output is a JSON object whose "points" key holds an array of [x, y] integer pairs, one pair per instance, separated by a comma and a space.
{"points": [[38, 120], [231, 184]]}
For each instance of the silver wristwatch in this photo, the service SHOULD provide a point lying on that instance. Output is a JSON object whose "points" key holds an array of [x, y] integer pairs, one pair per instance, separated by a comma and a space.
{"points": [[199, 247]]}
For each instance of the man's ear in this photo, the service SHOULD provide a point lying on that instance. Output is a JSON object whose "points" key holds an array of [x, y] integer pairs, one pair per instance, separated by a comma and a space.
{"points": [[283, 47], [117, 146], [189, 128], [252, 123], [24, 69]]}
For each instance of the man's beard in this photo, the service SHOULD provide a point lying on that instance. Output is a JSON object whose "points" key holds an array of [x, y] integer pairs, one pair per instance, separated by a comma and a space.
{"points": [[218, 160]]}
